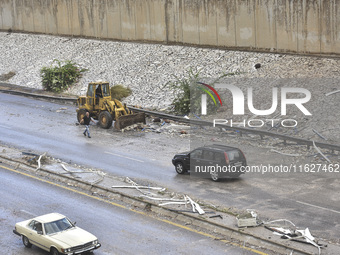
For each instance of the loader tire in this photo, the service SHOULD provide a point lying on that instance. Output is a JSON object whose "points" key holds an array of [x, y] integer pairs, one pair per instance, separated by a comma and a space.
{"points": [[80, 115], [105, 119]]}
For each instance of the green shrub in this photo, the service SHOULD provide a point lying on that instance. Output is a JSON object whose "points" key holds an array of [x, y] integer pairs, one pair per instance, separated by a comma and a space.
{"points": [[181, 88], [188, 95], [60, 75], [119, 92]]}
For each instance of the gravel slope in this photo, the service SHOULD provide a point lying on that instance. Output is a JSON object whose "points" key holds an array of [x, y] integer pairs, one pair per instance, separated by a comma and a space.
{"points": [[146, 68]]}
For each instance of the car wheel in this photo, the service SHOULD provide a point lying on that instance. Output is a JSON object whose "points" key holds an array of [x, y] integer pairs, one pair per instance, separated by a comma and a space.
{"points": [[179, 168], [214, 176], [54, 251], [26, 242]]}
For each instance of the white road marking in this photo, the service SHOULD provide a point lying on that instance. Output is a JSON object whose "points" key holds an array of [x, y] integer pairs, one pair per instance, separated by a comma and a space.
{"points": [[114, 154], [316, 206]]}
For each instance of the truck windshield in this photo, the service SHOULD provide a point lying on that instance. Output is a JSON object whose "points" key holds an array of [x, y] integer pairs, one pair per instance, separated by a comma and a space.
{"points": [[90, 91], [106, 89]]}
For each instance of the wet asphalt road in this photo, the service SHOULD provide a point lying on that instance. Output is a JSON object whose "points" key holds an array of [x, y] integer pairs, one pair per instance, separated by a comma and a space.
{"points": [[41, 126], [119, 230]]}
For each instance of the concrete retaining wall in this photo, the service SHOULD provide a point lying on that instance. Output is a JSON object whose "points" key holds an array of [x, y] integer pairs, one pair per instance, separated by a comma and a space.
{"points": [[302, 26]]}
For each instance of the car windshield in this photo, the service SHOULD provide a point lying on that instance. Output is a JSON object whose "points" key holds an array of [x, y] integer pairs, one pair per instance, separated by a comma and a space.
{"points": [[57, 226]]}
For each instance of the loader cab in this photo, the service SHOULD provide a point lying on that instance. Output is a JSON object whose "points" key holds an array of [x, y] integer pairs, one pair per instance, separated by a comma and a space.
{"points": [[96, 92]]}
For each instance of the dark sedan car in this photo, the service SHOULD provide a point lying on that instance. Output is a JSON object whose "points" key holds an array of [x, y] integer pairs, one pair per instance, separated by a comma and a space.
{"points": [[214, 161]]}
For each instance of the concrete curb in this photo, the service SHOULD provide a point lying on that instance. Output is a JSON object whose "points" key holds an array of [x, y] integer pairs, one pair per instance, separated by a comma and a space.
{"points": [[64, 99]]}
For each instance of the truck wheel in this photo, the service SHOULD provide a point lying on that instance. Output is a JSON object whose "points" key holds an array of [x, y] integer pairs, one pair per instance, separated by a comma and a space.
{"points": [[105, 119], [26, 242], [80, 115]]}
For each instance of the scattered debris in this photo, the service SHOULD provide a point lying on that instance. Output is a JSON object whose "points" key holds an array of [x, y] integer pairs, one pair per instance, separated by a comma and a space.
{"points": [[291, 232], [30, 154], [156, 120], [318, 150], [139, 187], [61, 109], [137, 126], [248, 219], [286, 154], [187, 200], [174, 203], [308, 238], [39, 165], [197, 117], [332, 92], [100, 173], [316, 132], [195, 206], [217, 215], [64, 167], [170, 201]]}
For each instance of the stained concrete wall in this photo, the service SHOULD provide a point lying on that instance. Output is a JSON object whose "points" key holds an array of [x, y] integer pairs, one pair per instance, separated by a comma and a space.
{"points": [[302, 26]]}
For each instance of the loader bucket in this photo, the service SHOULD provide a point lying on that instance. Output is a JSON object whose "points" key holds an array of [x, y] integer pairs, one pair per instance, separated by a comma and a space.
{"points": [[130, 119]]}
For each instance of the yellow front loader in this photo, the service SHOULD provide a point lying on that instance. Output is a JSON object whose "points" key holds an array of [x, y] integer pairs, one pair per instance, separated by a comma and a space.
{"points": [[104, 108]]}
